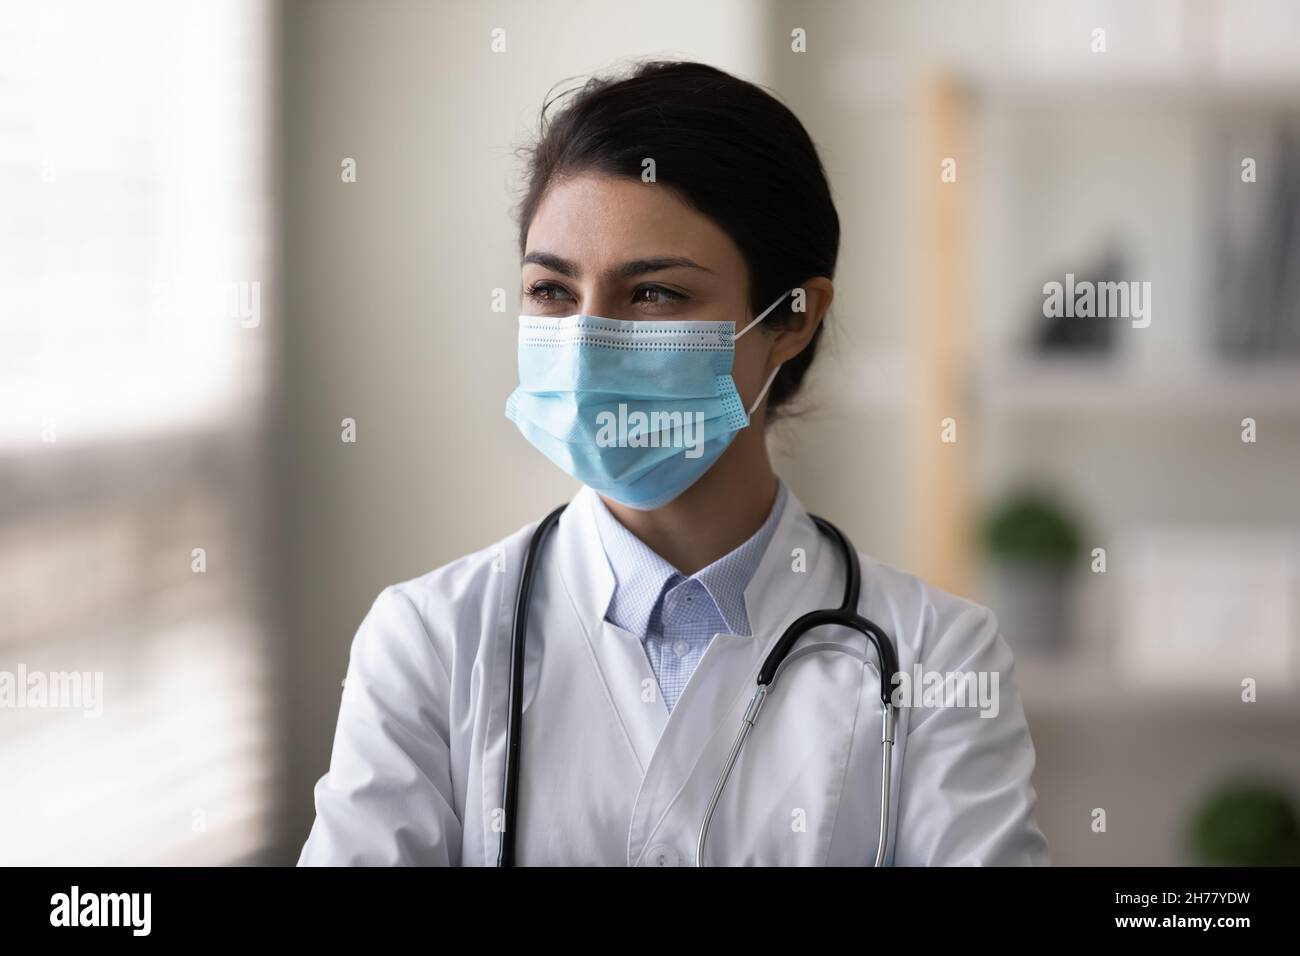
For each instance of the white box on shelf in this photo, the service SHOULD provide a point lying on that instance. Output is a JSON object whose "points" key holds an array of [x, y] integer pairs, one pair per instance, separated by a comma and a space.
{"points": [[1207, 607]]}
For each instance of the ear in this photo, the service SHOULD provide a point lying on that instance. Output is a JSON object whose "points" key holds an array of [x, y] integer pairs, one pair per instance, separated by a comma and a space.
{"points": [[801, 326]]}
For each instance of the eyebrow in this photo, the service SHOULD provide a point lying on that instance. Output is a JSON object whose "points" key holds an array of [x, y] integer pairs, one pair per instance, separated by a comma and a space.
{"points": [[625, 270]]}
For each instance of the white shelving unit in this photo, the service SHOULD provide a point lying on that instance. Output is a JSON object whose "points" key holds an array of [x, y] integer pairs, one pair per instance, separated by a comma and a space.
{"points": [[1059, 151], [1159, 411], [1058, 148]]}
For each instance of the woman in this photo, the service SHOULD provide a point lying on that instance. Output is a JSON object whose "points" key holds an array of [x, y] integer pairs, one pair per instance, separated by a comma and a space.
{"points": [[665, 211]]}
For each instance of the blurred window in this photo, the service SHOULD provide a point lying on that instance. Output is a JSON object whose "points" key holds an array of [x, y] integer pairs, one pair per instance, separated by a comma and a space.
{"points": [[134, 252]]}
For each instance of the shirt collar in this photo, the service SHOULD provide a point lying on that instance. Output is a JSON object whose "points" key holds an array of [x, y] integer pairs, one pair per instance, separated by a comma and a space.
{"points": [[641, 575]]}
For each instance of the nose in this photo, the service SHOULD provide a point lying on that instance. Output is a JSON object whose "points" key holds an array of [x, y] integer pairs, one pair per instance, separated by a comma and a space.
{"points": [[604, 299], [603, 305]]}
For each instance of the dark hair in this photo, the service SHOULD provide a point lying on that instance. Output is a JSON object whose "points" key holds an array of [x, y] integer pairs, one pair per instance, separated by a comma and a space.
{"points": [[729, 148]]}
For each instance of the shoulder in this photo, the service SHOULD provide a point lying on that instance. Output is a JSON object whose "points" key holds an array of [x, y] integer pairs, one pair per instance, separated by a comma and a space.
{"points": [[469, 589], [454, 602], [928, 621]]}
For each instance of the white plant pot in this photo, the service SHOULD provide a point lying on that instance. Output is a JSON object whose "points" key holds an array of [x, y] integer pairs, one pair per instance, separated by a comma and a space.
{"points": [[1029, 599]]}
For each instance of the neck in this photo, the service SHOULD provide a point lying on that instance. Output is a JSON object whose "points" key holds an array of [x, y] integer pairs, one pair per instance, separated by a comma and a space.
{"points": [[717, 514]]}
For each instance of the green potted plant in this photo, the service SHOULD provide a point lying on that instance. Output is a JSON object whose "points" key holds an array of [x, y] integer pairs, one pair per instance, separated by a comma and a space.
{"points": [[1246, 823], [1032, 545]]}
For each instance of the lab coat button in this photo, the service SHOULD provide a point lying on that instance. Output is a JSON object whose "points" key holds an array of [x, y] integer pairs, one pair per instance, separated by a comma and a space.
{"points": [[661, 855]]}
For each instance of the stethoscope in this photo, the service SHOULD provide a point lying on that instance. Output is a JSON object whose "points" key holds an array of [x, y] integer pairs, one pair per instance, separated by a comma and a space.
{"points": [[844, 616]]}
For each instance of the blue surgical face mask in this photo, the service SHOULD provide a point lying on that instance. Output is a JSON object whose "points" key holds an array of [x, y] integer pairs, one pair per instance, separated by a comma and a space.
{"points": [[637, 411]]}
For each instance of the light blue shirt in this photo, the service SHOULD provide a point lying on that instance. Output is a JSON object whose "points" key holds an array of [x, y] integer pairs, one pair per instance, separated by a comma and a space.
{"points": [[676, 616]]}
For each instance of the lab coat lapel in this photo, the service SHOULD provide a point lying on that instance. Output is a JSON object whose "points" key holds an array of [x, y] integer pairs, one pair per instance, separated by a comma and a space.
{"points": [[628, 681], [694, 743]]}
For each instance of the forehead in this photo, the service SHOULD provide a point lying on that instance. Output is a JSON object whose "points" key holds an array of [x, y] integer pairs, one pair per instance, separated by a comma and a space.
{"points": [[598, 220]]}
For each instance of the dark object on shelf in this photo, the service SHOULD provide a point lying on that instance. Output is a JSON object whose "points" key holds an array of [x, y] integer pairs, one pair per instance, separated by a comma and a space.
{"points": [[1258, 225], [1248, 823], [1079, 334]]}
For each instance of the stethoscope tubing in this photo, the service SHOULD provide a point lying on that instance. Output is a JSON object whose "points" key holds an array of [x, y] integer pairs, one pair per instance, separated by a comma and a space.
{"points": [[844, 616], [515, 713]]}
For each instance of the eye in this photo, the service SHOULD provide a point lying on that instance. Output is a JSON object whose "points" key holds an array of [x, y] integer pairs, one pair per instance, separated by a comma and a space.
{"points": [[655, 295], [546, 292]]}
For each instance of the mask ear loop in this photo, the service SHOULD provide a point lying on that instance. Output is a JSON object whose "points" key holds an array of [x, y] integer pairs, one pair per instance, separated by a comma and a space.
{"points": [[770, 379], [762, 315]]}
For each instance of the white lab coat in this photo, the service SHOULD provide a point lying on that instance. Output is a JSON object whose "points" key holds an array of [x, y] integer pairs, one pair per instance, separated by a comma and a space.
{"points": [[610, 778]]}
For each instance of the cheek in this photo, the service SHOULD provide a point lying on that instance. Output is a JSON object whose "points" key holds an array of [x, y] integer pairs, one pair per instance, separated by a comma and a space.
{"points": [[749, 367]]}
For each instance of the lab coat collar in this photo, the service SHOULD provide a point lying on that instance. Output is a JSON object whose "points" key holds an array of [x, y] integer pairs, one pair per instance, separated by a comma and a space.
{"points": [[640, 574], [585, 567], [792, 553], [790, 580], [744, 563]]}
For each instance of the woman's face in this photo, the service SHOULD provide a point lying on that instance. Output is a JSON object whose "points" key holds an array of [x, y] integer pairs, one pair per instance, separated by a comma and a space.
{"points": [[623, 249]]}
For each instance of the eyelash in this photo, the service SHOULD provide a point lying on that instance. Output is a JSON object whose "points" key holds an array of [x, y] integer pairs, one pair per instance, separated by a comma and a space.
{"points": [[545, 292]]}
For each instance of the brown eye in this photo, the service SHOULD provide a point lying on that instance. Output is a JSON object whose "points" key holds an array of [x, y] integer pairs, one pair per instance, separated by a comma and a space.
{"points": [[545, 292], [655, 295]]}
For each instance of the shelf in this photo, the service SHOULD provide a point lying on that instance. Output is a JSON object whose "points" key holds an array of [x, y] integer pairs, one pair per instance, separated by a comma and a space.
{"points": [[1070, 687], [1072, 385], [1129, 88], [884, 81], [888, 379]]}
